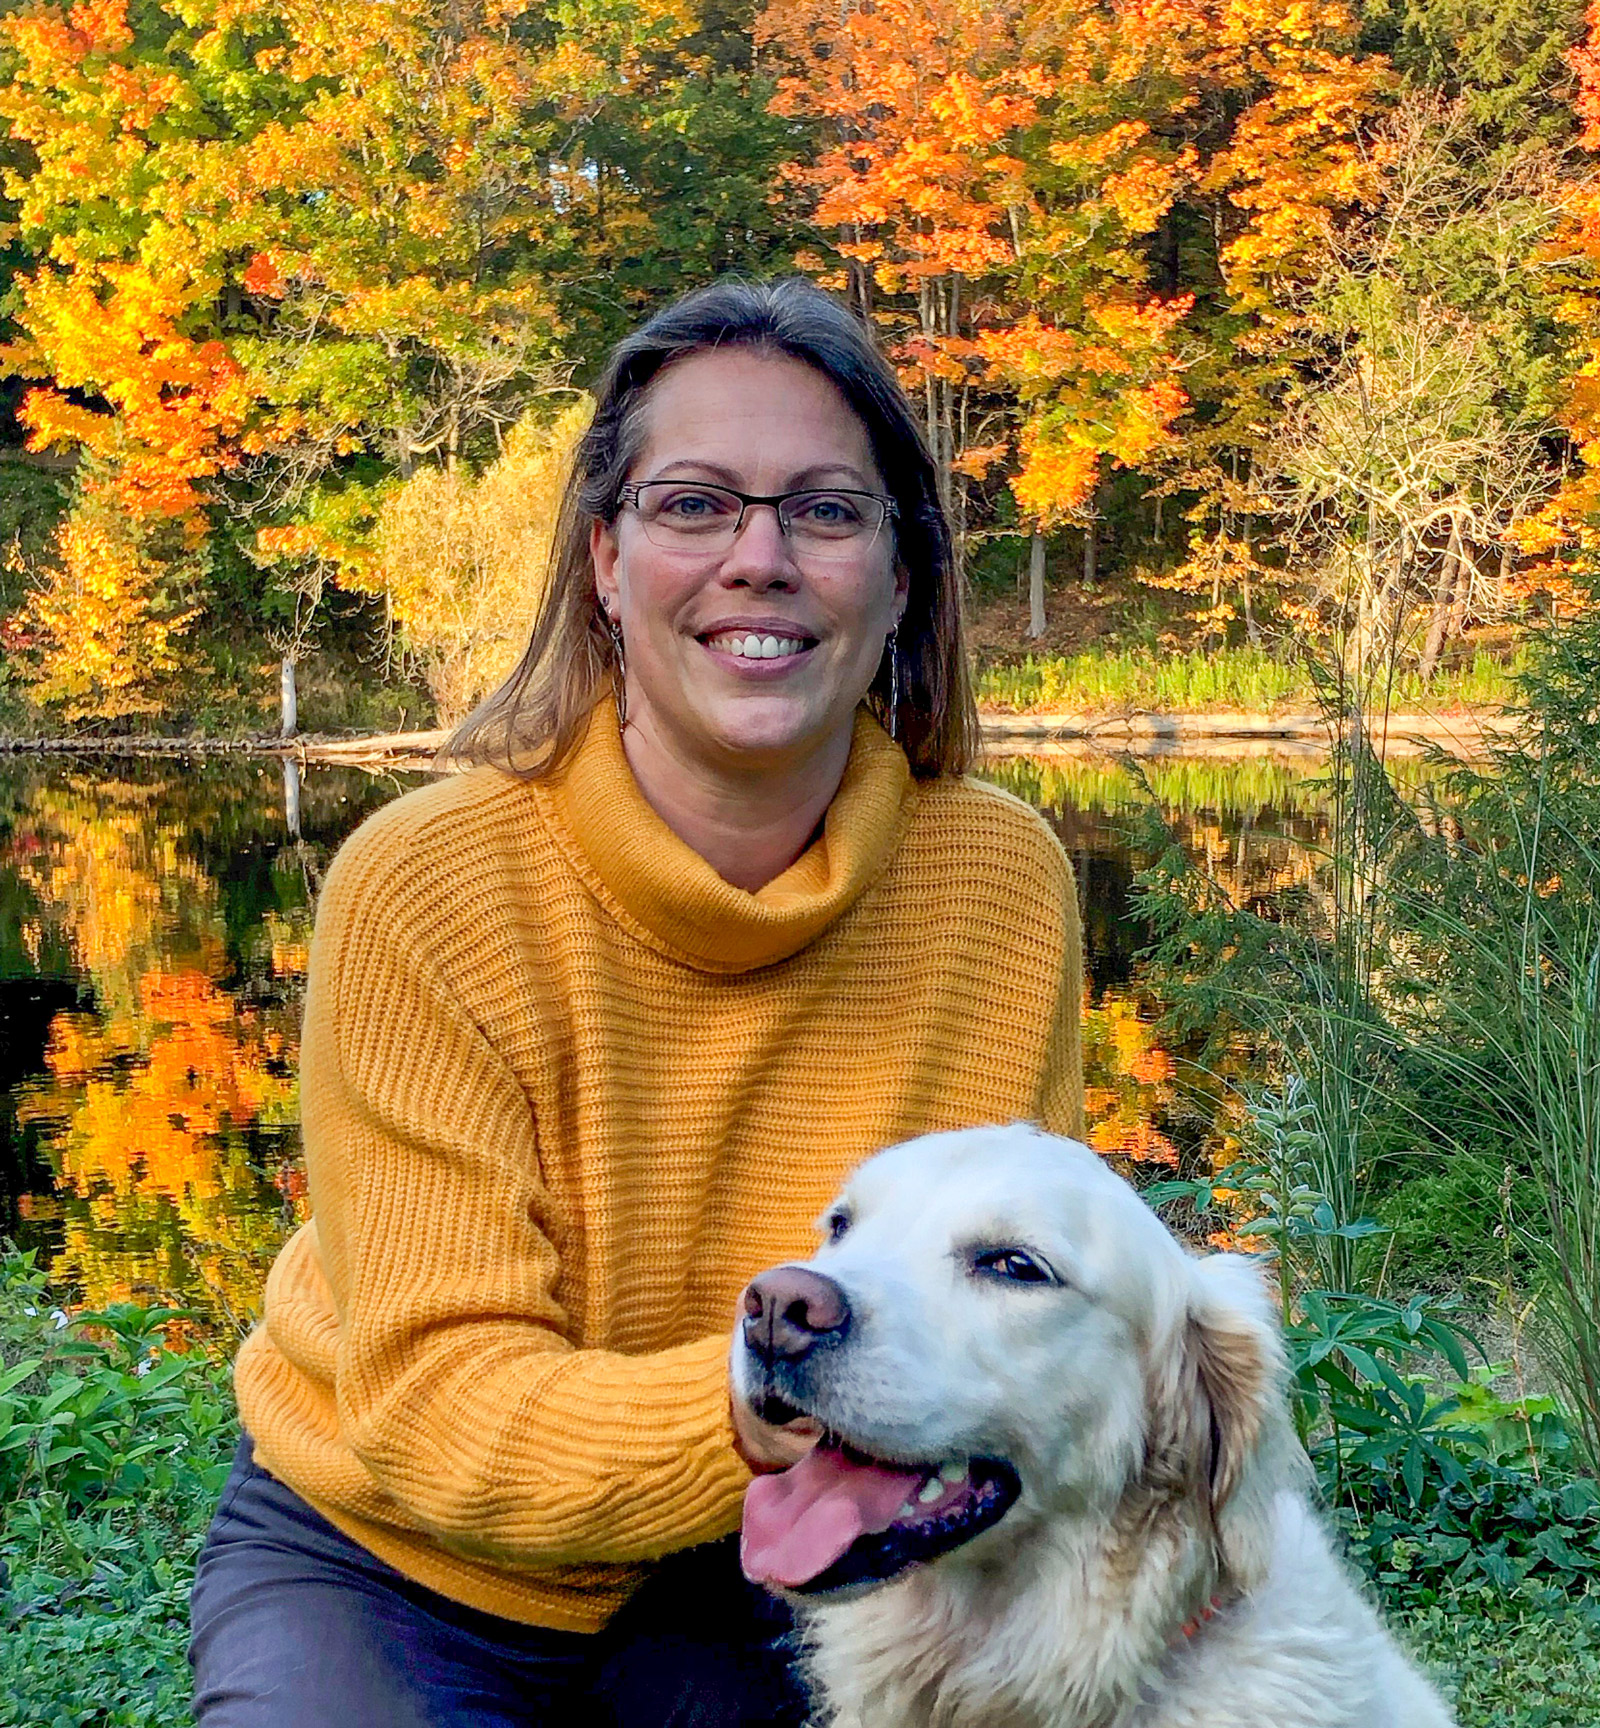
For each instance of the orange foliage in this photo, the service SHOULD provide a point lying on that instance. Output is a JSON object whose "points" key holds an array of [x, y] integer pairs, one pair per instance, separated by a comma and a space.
{"points": [[1571, 522], [923, 104], [173, 405], [157, 1102]]}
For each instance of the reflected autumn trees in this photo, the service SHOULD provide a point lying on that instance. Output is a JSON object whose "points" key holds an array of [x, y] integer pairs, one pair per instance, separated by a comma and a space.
{"points": [[165, 1097], [156, 924]]}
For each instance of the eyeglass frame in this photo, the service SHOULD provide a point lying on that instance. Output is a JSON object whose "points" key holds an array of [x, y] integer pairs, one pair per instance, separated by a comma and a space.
{"points": [[629, 494]]}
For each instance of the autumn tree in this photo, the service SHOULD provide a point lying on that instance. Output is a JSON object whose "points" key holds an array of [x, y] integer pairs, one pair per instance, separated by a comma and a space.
{"points": [[462, 561], [1095, 207], [916, 107], [1419, 439], [106, 613], [1196, 156], [285, 255], [1567, 531]]}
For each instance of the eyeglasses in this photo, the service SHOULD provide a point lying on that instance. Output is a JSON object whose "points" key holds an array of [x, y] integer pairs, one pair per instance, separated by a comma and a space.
{"points": [[686, 516]]}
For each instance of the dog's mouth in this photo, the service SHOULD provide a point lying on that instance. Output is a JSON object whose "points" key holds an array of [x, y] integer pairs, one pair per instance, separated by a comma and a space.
{"points": [[840, 1519]]}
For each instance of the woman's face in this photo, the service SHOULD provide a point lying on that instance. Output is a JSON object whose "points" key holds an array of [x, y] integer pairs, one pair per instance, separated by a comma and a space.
{"points": [[756, 423]]}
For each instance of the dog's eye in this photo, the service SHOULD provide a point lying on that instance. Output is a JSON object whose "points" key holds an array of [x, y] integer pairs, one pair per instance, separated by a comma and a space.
{"points": [[838, 1223], [1014, 1265]]}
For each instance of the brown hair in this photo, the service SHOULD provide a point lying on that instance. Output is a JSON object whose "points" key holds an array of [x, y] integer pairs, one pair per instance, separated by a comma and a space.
{"points": [[533, 721]]}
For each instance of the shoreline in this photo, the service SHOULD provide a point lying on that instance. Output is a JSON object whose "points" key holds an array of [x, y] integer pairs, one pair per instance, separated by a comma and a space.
{"points": [[1464, 732]]}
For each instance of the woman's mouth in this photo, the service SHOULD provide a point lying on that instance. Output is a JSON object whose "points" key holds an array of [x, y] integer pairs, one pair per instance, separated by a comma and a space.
{"points": [[758, 645]]}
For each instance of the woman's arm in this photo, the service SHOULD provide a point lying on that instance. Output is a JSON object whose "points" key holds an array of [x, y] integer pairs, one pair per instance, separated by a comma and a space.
{"points": [[457, 1381]]}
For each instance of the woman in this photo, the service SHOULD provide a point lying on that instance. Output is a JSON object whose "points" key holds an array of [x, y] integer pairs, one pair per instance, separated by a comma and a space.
{"points": [[591, 1034]]}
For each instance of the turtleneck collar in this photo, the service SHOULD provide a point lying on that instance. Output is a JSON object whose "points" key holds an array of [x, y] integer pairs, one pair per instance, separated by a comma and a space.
{"points": [[667, 894]]}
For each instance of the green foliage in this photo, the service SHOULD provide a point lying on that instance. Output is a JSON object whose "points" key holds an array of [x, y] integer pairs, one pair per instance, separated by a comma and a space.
{"points": [[113, 1449], [1475, 1527], [1509, 60], [1510, 1668]]}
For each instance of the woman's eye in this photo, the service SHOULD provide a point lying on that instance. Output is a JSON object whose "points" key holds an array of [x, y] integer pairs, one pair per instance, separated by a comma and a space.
{"points": [[826, 510], [684, 504], [1013, 1265]]}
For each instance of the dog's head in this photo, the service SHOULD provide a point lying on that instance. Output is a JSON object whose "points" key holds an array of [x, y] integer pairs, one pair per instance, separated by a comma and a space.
{"points": [[997, 1328]]}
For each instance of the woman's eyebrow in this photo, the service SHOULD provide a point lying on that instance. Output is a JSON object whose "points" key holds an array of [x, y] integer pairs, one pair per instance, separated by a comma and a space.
{"points": [[819, 473]]}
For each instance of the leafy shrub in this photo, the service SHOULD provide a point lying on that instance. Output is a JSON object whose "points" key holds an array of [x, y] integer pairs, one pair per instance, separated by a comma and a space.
{"points": [[113, 1449], [1485, 1529]]}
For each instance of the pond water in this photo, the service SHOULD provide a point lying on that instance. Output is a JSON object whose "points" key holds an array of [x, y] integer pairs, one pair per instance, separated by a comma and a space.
{"points": [[154, 923]]}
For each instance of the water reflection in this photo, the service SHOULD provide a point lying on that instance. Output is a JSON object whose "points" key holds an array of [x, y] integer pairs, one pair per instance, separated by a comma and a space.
{"points": [[157, 918], [154, 923]]}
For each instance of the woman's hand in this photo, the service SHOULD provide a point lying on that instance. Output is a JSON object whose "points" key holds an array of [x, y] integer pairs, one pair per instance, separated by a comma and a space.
{"points": [[766, 1447]]}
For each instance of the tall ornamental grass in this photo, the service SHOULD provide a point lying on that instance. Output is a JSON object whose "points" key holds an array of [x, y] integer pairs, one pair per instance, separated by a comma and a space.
{"points": [[1430, 997]]}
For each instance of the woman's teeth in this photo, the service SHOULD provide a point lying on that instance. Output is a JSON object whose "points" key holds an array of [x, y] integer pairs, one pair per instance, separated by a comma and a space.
{"points": [[758, 647]]}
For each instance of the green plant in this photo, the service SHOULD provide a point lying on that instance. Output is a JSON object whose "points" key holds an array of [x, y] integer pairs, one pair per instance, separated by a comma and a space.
{"points": [[1485, 1528], [113, 1449]]}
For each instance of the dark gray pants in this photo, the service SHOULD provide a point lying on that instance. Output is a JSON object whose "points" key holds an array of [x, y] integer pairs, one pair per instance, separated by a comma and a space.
{"points": [[296, 1626]]}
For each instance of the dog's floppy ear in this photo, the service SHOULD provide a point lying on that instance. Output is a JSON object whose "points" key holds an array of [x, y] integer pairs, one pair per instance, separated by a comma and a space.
{"points": [[1218, 1410]]}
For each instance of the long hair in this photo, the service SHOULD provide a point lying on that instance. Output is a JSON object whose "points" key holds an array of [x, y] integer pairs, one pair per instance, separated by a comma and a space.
{"points": [[531, 724]]}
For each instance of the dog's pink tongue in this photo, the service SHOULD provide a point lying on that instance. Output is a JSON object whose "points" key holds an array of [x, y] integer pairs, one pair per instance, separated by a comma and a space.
{"points": [[799, 1521]]}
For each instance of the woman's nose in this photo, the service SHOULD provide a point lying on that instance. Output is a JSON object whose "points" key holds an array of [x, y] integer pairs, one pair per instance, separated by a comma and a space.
{"points": [[761, 555]]}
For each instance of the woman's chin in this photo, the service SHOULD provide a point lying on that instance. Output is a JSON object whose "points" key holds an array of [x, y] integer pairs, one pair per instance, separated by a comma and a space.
{"points": [[775, 732]]}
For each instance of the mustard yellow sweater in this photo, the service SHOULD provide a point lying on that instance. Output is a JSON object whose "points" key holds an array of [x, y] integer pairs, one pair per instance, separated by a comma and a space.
{"points": [[565, 1091]]}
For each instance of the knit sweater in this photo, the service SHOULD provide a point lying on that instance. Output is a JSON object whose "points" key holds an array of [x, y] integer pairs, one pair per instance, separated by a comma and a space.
{"points": [[564, 1091]]}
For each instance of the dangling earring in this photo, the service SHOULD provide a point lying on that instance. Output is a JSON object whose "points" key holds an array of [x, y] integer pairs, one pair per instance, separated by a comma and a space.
{"points": [[620, 683], [893, 645]]}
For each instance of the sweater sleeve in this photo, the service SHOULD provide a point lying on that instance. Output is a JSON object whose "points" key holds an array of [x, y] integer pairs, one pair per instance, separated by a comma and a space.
{"points": [[456, 1379]]}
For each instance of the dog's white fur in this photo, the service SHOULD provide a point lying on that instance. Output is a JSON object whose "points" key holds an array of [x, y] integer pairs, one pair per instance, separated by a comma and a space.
{"points": [[1141, 1402]]}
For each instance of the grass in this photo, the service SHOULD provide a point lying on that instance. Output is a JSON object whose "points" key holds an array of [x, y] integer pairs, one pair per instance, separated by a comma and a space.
{"points": [[1519, 1671], [1247, 679]]}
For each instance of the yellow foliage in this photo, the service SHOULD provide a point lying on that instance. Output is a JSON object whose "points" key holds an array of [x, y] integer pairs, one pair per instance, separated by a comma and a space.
{"points": [[107, 635], [464, 561]]}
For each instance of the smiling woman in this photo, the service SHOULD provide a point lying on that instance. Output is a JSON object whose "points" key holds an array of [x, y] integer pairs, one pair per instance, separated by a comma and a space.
{"points": [[693, 575], [592, 1033]]}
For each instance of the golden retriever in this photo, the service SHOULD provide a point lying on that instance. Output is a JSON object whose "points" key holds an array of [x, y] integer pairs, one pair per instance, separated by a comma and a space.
{"points": [[1057, 1485]]}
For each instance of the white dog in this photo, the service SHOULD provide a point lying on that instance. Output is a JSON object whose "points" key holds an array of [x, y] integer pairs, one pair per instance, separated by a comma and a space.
{"points": [[1057, 1486]]}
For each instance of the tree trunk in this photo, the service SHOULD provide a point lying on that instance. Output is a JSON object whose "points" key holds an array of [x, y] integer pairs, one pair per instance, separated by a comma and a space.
{"points": [[1036, 618], [1090, 552], [1443, 592], [1461, 605], [289, 696]]}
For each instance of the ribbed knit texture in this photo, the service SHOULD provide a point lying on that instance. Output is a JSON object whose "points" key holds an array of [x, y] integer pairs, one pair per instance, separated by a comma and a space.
{"points": [[565, 1091]]}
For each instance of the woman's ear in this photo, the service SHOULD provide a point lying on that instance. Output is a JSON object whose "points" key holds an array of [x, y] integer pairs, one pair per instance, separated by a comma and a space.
{"points": [[603, 559]]}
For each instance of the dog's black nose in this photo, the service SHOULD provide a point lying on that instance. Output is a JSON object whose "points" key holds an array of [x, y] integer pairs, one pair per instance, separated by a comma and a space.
{"points": [[789, 1310]]}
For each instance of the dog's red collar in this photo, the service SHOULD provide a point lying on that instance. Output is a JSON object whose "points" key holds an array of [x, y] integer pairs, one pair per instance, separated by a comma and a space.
{"points": [[1190, 1627]]}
